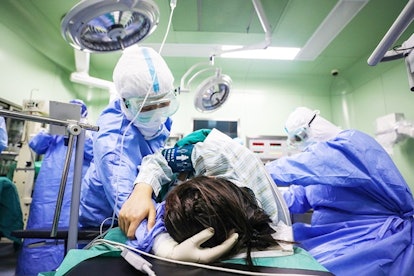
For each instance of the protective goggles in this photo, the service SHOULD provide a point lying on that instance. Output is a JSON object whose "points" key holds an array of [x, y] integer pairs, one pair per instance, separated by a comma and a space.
{"points": [[152, 108], [301, 134]]}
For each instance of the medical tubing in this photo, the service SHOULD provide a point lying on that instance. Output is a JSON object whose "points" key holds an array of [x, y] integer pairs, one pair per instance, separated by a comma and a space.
{"points": [[173, 3], [121, 154], [229, 270], [137, 261]]}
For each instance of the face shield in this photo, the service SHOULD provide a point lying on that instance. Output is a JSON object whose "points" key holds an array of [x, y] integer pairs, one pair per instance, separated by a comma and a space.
{"points": [[153, 109], [299, 137]]}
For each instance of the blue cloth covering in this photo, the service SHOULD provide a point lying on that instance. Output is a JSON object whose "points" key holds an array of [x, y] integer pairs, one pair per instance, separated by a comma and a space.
{"points": [[179, 158], [362, 222], [144, 237], [115, 164], [45, 257]]}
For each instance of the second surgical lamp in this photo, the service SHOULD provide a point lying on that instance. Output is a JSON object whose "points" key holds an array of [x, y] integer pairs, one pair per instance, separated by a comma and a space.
{"points": [[212, 92]]}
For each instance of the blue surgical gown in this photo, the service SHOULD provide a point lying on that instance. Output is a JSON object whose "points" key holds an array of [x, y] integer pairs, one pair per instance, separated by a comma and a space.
{"points": [[362, 222], [118, 150], [46, 257], [3, 134]]}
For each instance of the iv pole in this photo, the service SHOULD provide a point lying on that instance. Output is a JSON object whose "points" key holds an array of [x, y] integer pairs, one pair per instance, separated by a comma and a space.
{"points": [[74, 129]]}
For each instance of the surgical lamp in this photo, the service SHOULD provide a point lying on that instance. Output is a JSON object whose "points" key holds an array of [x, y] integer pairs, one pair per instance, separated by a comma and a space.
{"points": [[109, 25], [212, 92]]}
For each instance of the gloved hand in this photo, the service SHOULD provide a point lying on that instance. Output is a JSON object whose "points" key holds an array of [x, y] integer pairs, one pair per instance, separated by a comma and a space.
{"points": [[190, 250], [193, 138]]}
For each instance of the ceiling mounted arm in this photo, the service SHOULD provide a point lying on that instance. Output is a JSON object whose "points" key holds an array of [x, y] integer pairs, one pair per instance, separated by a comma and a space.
{"points": [[398, 27], [257, 4], [81, 75], [263, 21], [184, 84]]}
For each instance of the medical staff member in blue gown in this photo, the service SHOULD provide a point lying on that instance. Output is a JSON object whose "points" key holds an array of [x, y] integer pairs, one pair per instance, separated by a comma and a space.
{"points": [[3, 134], [362, 222], [39, 255], [132, 126]]}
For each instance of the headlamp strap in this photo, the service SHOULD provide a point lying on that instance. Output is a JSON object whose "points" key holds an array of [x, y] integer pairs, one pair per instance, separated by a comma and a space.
{"points": [[313, 118]]}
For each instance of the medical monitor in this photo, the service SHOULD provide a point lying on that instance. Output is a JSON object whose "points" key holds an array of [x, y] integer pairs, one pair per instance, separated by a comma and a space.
{"points": [[227, 127]]}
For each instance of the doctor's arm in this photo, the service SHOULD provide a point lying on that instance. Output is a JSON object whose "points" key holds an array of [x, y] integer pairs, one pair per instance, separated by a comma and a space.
{"points": [[41, 142], [136, 208], [296, 200], [335, 163], [154, 172]]}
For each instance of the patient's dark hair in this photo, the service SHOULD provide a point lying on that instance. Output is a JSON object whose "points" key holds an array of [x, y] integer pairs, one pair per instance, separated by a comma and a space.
{"points": [[204, 202]]}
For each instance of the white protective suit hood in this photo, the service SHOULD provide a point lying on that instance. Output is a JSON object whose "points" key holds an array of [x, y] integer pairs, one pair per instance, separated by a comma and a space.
{"points": [[316, 127], [141, 70], [134, 73]]}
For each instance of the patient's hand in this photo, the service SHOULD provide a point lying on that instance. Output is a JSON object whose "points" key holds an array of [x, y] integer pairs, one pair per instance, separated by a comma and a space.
{"points": [[136, 208]]}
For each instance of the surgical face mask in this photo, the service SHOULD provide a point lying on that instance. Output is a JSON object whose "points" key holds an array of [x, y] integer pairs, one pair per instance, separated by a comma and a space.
{"points": [[149, 130]]}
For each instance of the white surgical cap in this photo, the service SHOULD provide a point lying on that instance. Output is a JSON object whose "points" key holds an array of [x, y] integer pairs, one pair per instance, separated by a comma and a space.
{"points": [[320, 129], [139, 70]]}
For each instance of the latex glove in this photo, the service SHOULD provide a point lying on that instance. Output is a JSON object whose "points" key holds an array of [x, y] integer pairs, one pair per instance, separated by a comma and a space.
{"points": [[190, 250], [136, 208], [193, 138]]}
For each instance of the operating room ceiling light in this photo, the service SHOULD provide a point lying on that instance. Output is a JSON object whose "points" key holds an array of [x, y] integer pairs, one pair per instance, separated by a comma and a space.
{"points": [[109, 25], [213, 91]]}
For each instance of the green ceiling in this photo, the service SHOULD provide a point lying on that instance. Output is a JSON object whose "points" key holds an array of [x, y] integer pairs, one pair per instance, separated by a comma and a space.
{"points": [[292, 23]]}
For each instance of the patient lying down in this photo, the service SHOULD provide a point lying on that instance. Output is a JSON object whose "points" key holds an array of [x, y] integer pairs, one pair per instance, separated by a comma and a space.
{"points": [[204, 202], [229, 201]]}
